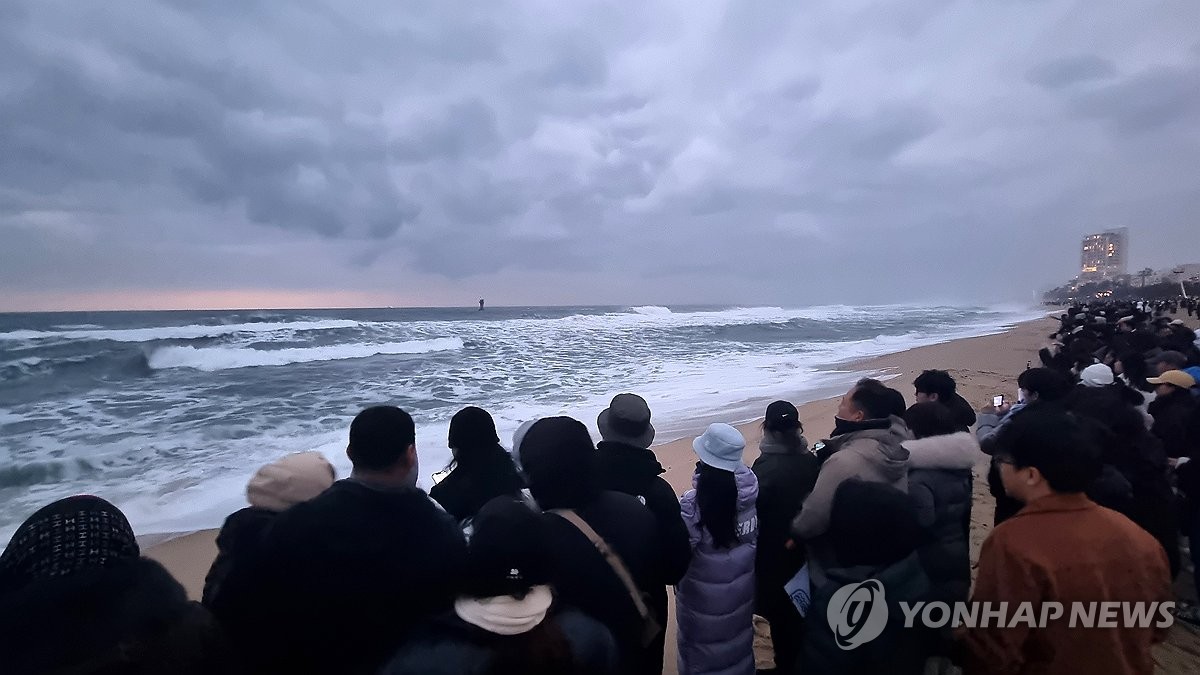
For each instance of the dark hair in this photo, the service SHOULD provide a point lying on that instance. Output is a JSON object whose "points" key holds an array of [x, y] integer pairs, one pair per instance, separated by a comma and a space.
{"points": [[1055, 443], [481, 468], [872, 524], [1049, 385], [875, 400], [475, 442], [380, 436], [930, 418], [1133, 367], [783, 420], [716, 499], [559, 459], [1175, 359], [936, 382], [1108, 407]]}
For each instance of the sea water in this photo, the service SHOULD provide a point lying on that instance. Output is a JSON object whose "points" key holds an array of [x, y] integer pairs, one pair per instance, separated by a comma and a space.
{"points": [[167, 414]]}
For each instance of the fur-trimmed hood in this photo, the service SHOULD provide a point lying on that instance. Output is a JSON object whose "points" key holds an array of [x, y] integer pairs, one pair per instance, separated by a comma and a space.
{"points": [[956, 451]]}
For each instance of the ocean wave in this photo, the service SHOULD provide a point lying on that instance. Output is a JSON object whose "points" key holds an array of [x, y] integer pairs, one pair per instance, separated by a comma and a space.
{"points": [[17, 474], [650, 310], [20, 368], [177, 332], [226, 358]]}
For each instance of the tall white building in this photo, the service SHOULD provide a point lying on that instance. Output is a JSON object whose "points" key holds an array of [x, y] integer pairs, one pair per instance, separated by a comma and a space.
{"points": [[1104, 255]]}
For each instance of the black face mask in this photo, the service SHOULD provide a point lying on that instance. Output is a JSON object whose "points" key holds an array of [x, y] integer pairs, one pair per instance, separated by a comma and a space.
{"points": [[841, 426]]}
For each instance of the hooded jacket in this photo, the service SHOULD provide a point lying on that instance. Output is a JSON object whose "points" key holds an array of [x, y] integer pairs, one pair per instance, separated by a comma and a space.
{"points": [[715, 599], [274, 488], [131, 617], [452, 646], [896, 650], [939, 483], [876, 455]]}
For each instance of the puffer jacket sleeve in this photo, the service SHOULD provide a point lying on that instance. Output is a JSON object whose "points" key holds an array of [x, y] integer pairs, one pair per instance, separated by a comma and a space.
{"points": [[813, 519], [986, 425]]}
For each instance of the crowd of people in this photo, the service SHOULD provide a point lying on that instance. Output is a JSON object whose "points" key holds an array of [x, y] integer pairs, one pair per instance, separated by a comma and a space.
{"points": [[556, 556]]}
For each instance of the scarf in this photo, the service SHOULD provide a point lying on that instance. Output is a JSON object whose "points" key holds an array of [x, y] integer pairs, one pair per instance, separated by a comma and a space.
{"points": [[505, 614]]}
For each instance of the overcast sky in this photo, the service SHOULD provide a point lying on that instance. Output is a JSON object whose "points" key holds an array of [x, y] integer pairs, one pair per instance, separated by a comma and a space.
{"points": [[383, 152]]}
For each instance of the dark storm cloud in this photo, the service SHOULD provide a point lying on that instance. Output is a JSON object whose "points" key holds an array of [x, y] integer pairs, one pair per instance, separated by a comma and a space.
{"points": [[720, 151], [1146, 101], [1063, 72]]}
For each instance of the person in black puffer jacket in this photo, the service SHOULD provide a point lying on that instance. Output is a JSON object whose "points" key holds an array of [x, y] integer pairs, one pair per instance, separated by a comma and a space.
{"points": [[786, 473], [625, 463], [559, 459], [76, 597], [274, 488], [340, 579], [507, 621], [940, 483]]}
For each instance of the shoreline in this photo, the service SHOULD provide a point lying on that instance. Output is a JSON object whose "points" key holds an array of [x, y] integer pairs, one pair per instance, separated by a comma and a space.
{"points": [[983, 365]]}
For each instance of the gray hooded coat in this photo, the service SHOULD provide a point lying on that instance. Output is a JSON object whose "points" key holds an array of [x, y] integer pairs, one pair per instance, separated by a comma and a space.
{"points": [[875, 455]]}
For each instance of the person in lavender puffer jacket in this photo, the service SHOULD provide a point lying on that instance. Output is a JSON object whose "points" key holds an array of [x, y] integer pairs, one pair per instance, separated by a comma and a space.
{"points": [[715, 599]]}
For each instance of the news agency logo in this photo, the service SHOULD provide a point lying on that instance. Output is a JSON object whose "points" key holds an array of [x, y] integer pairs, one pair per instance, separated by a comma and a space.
{"points": [[857, 613]]}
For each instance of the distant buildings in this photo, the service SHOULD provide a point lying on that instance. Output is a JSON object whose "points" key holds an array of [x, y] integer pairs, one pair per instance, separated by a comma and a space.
{"points": [[1189, 272], [1104, 255]]}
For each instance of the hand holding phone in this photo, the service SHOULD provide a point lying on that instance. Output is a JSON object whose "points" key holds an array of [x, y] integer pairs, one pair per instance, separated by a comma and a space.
{"points": [[997, 400]]}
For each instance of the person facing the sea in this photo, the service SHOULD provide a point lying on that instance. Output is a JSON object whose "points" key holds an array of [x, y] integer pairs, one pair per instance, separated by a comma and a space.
{"points": [[1062, 547], [624, 463], [77, 597], [1037, 388], [295, 478], [939, 482], [874, 534], [604, 548], [937, 386], [342, 577], [481, 469], [786, 473], [867, 444], [506, 619], [715, 600]]}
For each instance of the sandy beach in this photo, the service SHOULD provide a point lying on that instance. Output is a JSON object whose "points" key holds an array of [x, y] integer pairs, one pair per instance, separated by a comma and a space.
{"points": [[983, 367]]}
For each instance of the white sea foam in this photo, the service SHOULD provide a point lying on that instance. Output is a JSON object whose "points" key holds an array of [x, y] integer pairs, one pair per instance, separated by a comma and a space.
{"points": [[177, 332], [175, 454], [225, 358], [651, 310]]}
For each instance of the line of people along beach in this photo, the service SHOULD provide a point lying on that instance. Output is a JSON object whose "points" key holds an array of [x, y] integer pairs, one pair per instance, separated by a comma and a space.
{"points": [[556, 556]]}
